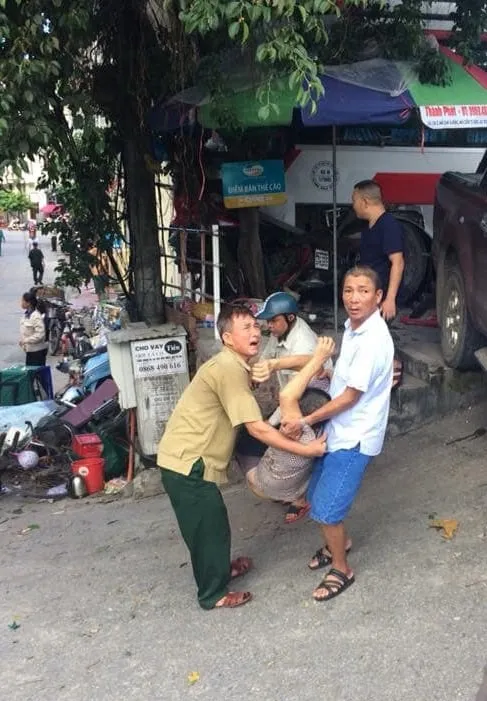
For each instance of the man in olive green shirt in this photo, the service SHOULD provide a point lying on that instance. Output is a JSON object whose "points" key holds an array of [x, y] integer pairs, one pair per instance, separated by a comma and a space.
{"points": [[197, 446]]}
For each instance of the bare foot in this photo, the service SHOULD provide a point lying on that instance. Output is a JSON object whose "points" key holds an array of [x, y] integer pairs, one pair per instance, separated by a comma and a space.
{"points": [[240, 566]]}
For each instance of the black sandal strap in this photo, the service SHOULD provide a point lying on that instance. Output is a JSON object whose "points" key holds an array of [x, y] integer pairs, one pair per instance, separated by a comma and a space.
{"points": [[341, 576]]}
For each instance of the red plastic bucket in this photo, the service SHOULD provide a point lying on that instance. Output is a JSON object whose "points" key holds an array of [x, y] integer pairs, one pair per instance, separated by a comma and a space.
{"points": [[91, 469], [87, 445]]}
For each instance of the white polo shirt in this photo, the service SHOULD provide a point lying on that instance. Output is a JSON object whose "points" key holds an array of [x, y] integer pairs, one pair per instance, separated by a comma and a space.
{"points": [[301, 340], [365, 363]]}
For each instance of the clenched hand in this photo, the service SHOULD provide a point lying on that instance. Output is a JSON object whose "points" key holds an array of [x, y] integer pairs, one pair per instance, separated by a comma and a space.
{"points": [[262, 371]]}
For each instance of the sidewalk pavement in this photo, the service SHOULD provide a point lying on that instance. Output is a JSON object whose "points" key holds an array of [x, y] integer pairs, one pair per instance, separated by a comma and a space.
{"points": [[105, 600]]}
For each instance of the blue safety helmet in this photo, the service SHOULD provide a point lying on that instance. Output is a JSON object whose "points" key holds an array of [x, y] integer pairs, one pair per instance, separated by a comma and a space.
{"points": [[278, 303]]}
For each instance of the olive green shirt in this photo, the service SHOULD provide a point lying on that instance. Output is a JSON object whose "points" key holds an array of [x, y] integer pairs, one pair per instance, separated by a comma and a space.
{"points": [[205, 420]]}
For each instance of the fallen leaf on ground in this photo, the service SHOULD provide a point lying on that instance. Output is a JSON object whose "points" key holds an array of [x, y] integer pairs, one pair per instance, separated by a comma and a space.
{"points": [[193, 677], [14, 625], [28, 529], [448, 525]]}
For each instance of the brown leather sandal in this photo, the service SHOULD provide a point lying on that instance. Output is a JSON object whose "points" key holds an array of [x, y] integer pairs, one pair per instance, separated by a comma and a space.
{"points": [[234, 599]]}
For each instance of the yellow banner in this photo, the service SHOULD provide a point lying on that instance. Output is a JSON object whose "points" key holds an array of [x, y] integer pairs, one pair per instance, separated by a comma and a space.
{"points": [[255, 200]]}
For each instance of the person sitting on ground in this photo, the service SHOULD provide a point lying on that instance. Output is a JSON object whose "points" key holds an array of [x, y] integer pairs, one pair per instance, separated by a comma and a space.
{"points": [[284, 476], [290, 346]]}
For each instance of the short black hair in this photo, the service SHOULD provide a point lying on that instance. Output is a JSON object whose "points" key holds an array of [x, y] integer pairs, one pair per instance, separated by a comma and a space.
{"points": [[369, 189], [367, 272], [228, 313], [313, 399]]}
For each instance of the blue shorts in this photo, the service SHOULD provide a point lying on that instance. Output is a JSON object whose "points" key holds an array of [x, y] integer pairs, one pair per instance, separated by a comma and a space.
{"points": [[334, 484]]}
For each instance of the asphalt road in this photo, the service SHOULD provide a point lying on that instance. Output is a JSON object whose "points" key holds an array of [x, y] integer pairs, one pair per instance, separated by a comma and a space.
{"points": [[15, 279]]}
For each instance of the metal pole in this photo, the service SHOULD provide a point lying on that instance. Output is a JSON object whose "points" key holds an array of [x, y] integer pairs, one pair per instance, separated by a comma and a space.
{"points": [[335, 237], [215, 245], [203, 265]]}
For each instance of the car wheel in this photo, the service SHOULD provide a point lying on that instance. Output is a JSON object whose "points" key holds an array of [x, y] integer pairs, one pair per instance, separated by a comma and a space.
{"points": [[459, 338], [416, 261]]}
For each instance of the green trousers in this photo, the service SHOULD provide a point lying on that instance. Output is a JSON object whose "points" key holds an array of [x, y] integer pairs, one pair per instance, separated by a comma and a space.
{"points": [[203, 522]]}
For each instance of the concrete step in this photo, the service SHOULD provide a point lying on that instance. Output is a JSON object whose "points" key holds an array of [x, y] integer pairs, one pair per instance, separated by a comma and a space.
{"points": [[411, 405], [418, 401], [481, 355], [422, 360]]}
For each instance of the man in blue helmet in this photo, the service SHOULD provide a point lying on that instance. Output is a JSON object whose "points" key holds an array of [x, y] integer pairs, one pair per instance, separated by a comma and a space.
{"points": [[289, 348], [291, 337]]}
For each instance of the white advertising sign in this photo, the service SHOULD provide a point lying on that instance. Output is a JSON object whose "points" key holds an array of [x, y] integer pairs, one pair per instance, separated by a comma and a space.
{"points": [[160, 356], [454, 116], [322, 259]]}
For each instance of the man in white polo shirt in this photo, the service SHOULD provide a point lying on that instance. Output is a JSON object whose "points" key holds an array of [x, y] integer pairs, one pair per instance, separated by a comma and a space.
{"points": [[357, 419]]}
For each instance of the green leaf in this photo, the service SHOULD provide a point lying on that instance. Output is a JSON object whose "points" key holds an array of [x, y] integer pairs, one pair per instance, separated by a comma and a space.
{"points": [[29, 96], [304, 13], [295, 79], [245, 32], [264, 112], [232, 10], [255, 12], [233, 30]]}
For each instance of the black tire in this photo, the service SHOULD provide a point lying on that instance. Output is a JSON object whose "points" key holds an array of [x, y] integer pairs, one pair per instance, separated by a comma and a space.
{"points": [[459, 338], [416, 258], [54, 338]]}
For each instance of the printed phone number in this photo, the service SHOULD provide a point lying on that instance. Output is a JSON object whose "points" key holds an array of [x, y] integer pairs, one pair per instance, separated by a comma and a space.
{"points": [[161, 366]]}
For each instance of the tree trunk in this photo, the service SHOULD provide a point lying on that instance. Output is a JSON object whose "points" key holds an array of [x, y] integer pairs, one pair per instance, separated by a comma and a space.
{"points": [[144, 235], [250, 256]]}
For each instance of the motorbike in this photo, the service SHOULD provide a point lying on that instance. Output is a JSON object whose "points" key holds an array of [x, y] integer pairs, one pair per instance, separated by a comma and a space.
{"points": [[86, 374], [99, 412]]}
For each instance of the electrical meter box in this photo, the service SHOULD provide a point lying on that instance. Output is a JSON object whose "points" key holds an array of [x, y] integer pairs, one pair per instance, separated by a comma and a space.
{"points": [[150, 366]]}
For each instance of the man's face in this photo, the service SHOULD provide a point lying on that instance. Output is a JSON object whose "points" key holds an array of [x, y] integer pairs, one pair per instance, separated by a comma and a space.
{"points": [[278, 326], [244, 336], [360, 298], [359, 204]]}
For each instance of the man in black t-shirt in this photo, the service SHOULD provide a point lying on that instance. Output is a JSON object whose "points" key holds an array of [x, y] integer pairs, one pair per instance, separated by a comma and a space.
{"points": [[381, 244], [36, 258]]}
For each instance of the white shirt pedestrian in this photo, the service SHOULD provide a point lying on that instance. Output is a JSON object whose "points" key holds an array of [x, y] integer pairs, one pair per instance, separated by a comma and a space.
{"points": [[365, 363]]}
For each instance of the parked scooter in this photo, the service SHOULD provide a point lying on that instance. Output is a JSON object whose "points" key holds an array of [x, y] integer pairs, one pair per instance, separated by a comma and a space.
{"points": [[99, 412], [86, 374]]}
